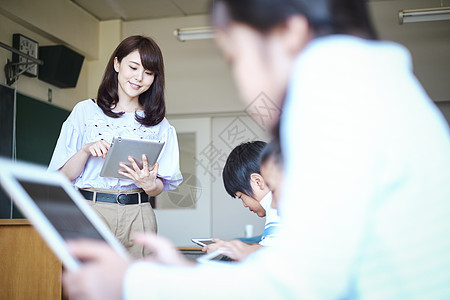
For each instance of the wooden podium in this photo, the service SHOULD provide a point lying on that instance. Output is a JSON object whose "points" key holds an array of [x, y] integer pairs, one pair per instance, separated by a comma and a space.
{"points": [[28, 268]]}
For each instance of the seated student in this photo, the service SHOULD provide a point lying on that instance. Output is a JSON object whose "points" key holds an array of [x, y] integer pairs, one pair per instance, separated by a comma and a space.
{"points": [[242, 179]]}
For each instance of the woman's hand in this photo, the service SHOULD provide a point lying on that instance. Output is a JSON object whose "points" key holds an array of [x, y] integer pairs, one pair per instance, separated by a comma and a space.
{"points": [[75, 165], [147, 177], [97, 149]]}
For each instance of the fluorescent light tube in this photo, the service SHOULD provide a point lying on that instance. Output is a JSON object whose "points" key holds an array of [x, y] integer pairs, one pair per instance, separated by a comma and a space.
{"points": [[424, 15], [194, 33]]}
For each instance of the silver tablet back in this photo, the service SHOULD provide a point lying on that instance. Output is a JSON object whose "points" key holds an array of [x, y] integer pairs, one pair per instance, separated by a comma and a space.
{"points": [[122, 147]]}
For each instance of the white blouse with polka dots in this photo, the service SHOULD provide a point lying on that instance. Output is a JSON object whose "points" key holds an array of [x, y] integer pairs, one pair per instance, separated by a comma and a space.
{"points": [[87, 123]]}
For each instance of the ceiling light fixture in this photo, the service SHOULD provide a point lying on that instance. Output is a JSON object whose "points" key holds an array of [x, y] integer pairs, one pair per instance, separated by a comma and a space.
{"points": [[424, 15], [194, 33]]}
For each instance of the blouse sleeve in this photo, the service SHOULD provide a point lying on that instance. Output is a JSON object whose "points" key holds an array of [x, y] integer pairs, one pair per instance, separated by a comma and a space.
{"points": [[169, 161], [69, 142]]}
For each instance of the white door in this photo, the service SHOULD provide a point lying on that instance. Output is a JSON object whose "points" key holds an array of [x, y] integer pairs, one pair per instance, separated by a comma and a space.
{"points": [[185, 213]]}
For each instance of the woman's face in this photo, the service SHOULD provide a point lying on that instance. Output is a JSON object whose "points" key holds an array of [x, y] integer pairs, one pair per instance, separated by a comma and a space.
{"points": [[260, 64], [133, 79]]}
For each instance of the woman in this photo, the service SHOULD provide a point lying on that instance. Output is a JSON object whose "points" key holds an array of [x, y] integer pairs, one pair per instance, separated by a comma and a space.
{"points": [[130, 103], [367, 164]]}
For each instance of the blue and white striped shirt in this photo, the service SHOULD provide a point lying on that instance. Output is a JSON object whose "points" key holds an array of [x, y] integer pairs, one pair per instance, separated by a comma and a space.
{"points": [[268, 237]]}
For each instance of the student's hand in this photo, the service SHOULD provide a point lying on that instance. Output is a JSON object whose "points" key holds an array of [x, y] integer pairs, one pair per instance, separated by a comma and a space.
{"points": [[101, 275], [147, 177], [214, 246], [97, 149], [163, 251], [235, 249]]}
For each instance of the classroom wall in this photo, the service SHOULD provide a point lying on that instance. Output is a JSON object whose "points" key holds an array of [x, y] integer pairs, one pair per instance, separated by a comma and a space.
{"points": [[32, 86], [428, 42], [60, 21], [199, 81], [110, 35], [197, 78]]}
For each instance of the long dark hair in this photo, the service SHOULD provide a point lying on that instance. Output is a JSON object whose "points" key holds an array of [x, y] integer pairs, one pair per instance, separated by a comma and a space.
{"points": [[324, 16], [152, 100]]}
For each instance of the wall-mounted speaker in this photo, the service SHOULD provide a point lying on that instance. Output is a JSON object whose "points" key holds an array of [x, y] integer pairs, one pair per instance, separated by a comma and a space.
{"points": [[61, 67]]}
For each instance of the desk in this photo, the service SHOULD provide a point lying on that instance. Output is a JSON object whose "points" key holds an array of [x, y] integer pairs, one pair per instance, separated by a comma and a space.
{"points": [[28, 268], [195, 252], [191, 252]]}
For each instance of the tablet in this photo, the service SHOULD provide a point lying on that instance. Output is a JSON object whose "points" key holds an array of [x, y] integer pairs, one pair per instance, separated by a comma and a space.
{"points": [[202, 242], [55, 208], [122, 147]]}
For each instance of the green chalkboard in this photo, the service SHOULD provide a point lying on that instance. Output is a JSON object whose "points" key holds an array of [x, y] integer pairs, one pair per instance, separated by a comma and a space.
{"points": [[37, 129], [6, 140]]}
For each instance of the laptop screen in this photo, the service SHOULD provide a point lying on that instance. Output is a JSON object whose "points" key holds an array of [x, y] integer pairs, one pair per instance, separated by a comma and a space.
{"points": [[61, 211]]}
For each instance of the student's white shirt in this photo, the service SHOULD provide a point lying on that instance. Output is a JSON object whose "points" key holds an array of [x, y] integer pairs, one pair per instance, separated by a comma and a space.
{"points": [[272, 223], [366, 199]]}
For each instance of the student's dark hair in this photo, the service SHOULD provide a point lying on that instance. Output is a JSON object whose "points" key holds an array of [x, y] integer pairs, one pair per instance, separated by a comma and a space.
{"points": [[324, 16], [152, 100], [272, 151], [241, 163]]}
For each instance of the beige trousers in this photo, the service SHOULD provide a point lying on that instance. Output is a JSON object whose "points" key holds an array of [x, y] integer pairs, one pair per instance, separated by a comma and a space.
{"points": [[124, 220]]}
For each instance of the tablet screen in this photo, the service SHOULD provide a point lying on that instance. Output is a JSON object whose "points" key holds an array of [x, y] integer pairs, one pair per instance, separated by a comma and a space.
{"points": [[207, 242], [61, 211]]}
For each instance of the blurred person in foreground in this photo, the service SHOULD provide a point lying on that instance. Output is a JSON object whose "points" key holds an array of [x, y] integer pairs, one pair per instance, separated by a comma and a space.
{"points": [[366, 197]]}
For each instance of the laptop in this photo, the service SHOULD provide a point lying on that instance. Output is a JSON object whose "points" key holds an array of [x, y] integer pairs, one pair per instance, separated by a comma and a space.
{"points": [[55, 208]]}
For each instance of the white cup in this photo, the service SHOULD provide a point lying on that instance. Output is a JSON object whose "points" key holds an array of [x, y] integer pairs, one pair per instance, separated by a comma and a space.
{"points": [[248, 230]]}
